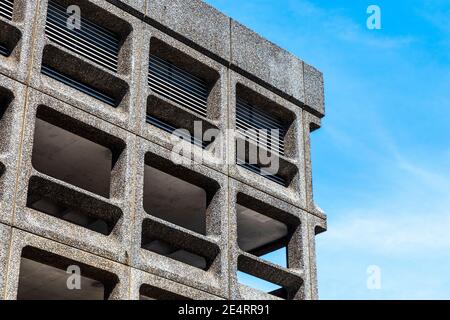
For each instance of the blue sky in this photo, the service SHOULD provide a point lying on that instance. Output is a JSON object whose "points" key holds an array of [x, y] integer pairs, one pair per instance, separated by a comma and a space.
{"points": [[382, 158]]}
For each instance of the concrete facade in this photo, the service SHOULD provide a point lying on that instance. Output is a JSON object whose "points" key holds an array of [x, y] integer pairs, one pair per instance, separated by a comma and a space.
{"points": [[60, 207]]}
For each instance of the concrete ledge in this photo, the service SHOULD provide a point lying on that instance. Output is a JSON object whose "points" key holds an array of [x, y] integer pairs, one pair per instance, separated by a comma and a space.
{"points": [[196, 21], [314, 89], [261, 58], [142, 283]]}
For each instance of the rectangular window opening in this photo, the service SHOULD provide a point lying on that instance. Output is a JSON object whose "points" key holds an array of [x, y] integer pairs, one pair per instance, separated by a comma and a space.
{"points": [[176, 194], [178, 245], [98, 38], [71, 151], [263, 230], [262, 236], [183, 91], [148, 292], [6, 118], [101, 38], [9, 38], [45, 276], [264, 129]]}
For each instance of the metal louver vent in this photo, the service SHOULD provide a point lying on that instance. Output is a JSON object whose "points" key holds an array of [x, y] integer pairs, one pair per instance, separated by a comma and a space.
{"points": [[6, 9], [52, 73], [258, 170], [4, 51], [178, 85], [250, 122], [256, 127], [90, 41], [170, 129]]}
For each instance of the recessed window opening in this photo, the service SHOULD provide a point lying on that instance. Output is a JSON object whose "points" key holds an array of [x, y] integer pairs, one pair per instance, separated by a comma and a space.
{"points": [[91, 40], [148, 292], [6, 115], [74, 152], [44, 276], [178, 85], [261, 235], [178, 245], [191, 87], [176, 194], [9, 38], [71, 206], [101, 38], [265, 132], [264, 231]]}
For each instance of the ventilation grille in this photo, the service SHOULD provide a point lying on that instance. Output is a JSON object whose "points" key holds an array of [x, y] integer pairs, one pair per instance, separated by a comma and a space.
{"points": [[4, 51], [250, 122], [52, 73], [178, 85], [170, 129], [90, 41], [256, 127], [6, 9], [260, 171]]}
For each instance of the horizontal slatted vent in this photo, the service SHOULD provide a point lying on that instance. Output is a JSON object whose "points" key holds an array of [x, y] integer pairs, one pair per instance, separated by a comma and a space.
{"points": [[4, 51], [90, 41], [256, 127], [6, 9], [178, 85], [250, 121], [163, 125], [258, 170], [52, 73]]}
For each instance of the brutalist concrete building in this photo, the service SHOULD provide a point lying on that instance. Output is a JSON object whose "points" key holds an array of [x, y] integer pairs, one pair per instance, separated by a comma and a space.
{"points": [[95, 98]]}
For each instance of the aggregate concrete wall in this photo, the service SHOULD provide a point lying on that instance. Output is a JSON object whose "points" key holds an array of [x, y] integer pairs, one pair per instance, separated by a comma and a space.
{"points": [[237, 60]]}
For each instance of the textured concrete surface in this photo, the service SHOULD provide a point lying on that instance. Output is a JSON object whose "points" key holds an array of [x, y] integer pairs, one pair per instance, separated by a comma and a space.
{"points": [[18, 35], [268, 62], [195, 20], [75, 172], [12, 104]]}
